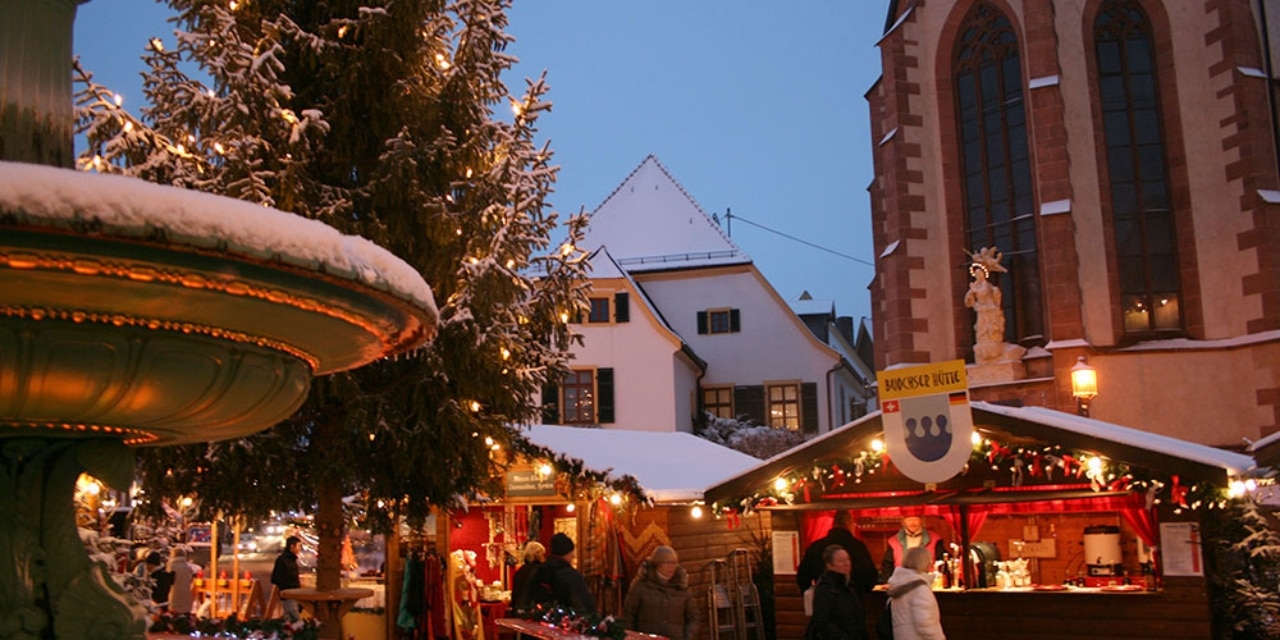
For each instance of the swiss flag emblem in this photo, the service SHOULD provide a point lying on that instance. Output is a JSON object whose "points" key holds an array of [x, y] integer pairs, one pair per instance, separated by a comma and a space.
{"points": [[891, 406]]}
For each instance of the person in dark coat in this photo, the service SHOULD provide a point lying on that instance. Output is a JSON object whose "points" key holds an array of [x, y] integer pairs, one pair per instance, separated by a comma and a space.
{"points": [[837, 611], [161, 580], [522, 582], [864, 572], [557, 582], [284, 575], [659, 601]]}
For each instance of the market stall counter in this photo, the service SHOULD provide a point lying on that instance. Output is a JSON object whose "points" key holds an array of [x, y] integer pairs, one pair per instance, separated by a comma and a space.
{"points": [[1058, 527]]}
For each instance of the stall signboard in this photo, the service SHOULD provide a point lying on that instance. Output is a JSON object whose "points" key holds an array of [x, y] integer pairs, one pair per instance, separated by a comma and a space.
{"points": [[927, 422], [1180, 549], [528, 483]]}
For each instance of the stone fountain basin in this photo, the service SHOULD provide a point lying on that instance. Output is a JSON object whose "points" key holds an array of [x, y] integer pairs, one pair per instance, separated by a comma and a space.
{"points": [[163, 315]]}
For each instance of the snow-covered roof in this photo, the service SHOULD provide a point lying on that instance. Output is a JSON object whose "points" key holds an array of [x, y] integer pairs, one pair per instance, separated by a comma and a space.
{"points": [[131, 208], [650, 223], [1072, 431], [1233, 463], [812, 307], [670, 466]]}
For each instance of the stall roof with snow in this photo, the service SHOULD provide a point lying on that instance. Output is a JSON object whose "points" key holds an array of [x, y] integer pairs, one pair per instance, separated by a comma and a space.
{"points": [[1020, 446], [671, 467]]}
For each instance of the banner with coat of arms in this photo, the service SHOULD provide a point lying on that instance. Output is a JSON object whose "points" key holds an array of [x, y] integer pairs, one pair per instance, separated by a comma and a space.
{"points": [[927, 422]]}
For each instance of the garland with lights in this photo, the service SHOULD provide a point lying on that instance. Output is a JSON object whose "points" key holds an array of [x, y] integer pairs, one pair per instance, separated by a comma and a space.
{"points": [[1025, 466], [232, 627], [571, 621]]}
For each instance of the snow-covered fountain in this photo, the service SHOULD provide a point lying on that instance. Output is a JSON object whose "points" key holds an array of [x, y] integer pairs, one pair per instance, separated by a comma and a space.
{"points": [[133, 314]]}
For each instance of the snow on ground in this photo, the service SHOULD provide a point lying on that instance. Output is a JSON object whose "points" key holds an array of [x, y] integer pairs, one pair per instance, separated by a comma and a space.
{"points": [[132, 208], [670, 466]]}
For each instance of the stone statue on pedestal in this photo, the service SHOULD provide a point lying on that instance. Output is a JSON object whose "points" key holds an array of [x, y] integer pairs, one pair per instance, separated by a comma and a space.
{"points": [[994, 359]]}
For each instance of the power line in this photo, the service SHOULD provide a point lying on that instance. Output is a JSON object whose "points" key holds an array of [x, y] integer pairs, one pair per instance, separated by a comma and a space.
{"points": [[730, 217]]}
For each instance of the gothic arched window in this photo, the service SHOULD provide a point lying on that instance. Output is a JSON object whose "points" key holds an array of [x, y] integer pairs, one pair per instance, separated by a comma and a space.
{"points": [[1137, 170], [999, 210]]}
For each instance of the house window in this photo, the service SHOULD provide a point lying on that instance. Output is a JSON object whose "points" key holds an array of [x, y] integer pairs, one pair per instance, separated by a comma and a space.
{"points": [[579, 398], [719, 321], [599, 311], [1137, 170], [718, 401], [995, 165], [783, 406]]}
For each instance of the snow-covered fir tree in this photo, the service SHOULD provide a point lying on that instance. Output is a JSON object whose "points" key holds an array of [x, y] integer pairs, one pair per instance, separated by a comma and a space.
{"points": [[752, 439], [390, 120], [1247, 572]]}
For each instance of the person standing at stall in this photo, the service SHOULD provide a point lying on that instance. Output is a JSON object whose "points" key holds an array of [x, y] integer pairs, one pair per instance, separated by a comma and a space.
{"points": [[284, 575], [659, 601], [913, 606], [912, 534], [522, 582], [556, 581], [863, 567], [838, 613]]}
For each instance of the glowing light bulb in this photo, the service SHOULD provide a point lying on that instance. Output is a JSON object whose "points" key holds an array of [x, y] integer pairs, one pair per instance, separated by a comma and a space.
{"points": [[475, 406], [544, 470], [342, 31], [780, 484], [157, 45], [571, 508], [118, 99], [506, 353], [443, 63], [877, 445], [696, 512], [615, 499], [488, 441], [1095, 463], [128, 126], [975, 438]]}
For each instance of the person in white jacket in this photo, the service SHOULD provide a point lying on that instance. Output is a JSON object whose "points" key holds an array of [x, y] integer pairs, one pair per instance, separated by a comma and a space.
{"points": [[915, 609]]}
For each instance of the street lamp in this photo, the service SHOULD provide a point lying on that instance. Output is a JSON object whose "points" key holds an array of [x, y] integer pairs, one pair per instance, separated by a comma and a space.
{"points": [[1084, 385]]}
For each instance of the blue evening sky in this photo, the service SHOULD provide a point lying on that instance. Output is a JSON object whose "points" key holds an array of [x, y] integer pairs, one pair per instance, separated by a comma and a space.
{"points": [[753, 106]]}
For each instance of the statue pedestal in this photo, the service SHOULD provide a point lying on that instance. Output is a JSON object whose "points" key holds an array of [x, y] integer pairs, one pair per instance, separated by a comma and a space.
{"points": [[996, 372]]}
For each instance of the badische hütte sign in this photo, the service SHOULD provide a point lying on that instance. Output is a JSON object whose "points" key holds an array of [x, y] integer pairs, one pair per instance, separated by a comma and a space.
{"points": [[927, 422]]}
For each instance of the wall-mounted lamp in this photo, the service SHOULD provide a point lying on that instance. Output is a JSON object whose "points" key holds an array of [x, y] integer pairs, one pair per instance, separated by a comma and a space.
{"points": [[1084, 385]]}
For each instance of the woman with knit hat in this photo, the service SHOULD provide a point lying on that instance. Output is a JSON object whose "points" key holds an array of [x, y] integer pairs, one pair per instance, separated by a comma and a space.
{"points": [[659, 601]]}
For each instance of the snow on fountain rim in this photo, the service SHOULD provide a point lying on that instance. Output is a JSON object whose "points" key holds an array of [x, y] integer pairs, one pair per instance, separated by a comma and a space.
{"points": [[134, 208]]}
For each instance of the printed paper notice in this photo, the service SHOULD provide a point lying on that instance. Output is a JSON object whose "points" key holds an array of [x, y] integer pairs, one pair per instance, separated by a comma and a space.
{"points": [[786, 552], [1180, 549]]}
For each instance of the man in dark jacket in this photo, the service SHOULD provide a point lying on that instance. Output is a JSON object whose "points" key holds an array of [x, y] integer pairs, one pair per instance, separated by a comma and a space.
{"points": [[838, 613], [659, 601], [557, 582], [285, 575], [863, 578]]}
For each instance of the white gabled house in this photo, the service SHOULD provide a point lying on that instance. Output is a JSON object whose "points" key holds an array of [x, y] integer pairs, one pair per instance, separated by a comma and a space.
{"points": [[683, 322]]}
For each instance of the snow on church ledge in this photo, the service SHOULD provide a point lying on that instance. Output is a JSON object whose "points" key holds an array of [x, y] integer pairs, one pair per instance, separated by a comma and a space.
{"points": [[132, 208]]}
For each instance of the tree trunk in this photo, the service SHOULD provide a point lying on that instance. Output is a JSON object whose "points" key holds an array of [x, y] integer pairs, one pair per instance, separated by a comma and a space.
{"points": [[329, 520]]}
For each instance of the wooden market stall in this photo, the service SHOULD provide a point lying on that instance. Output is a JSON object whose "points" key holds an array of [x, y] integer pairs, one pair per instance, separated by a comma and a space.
{"points": [[1073, 527], [613, 530]]}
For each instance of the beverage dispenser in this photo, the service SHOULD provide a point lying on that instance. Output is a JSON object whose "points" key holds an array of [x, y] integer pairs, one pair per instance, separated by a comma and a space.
{"points": [[1102, 553]]}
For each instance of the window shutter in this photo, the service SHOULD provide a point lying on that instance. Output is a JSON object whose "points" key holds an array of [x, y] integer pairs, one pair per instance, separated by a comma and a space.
{"points": [[604, 387], [809, 407], [621, 307], [748, 403], [551, 404], [735, 321], [703, 327]]}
